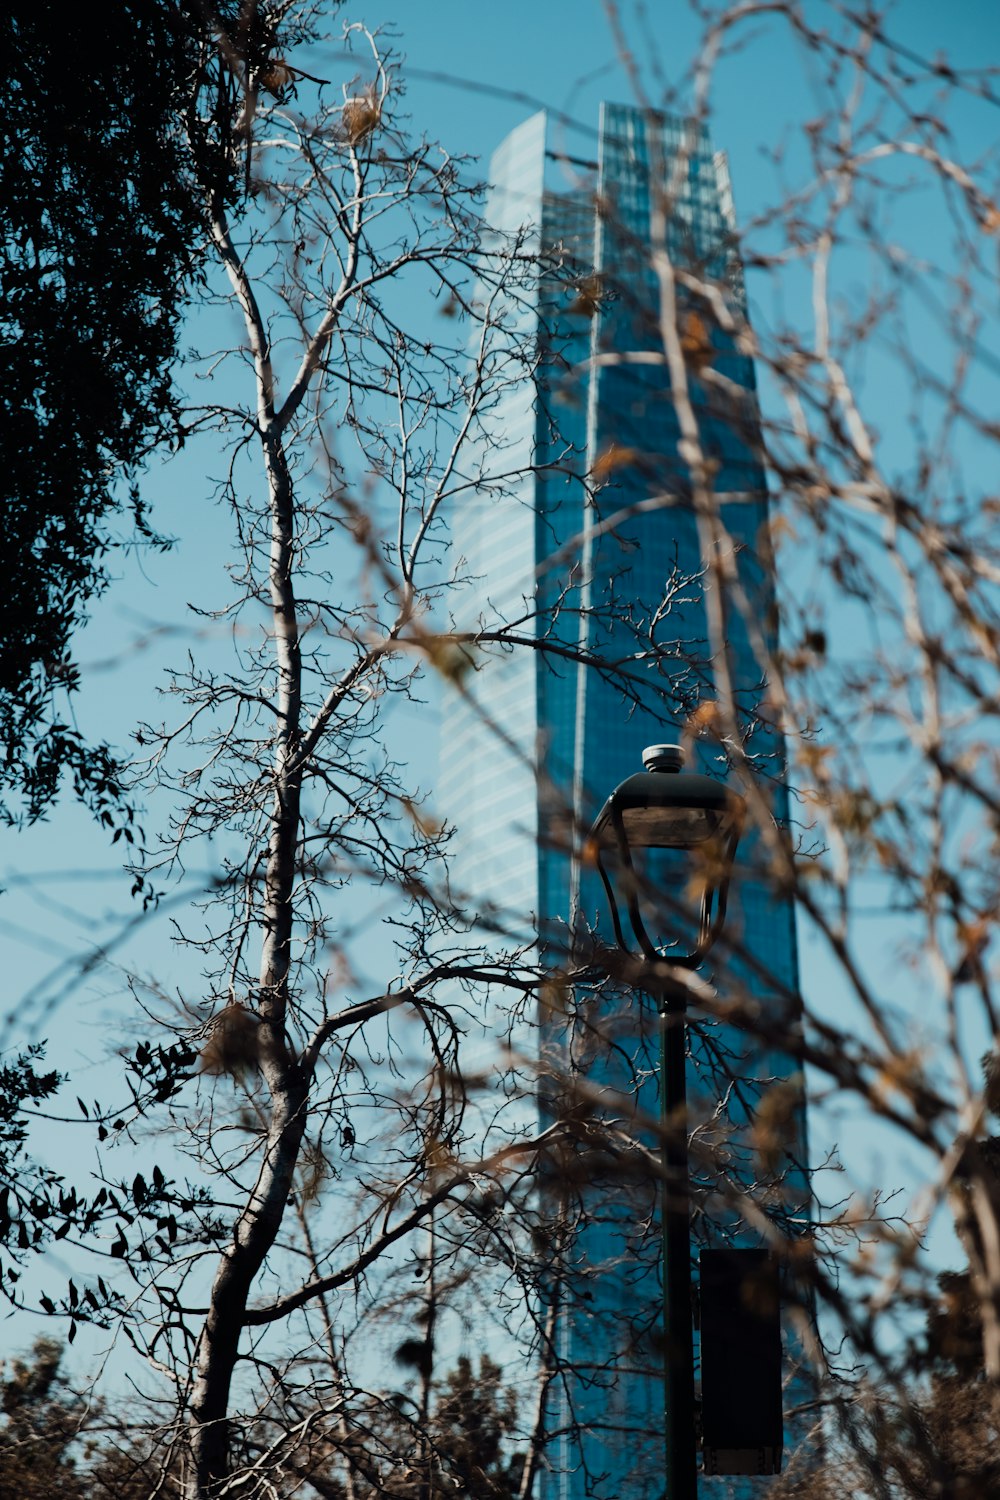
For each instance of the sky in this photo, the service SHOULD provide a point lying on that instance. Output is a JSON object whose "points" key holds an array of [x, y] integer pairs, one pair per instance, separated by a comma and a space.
{"points": [[473, 72]]}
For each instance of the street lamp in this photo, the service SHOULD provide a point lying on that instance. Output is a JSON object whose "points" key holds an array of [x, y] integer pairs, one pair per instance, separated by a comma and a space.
{"points": [[665, 807]]}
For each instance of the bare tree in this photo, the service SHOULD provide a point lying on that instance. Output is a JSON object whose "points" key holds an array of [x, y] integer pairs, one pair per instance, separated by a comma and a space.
{"points": [[356, 223]]}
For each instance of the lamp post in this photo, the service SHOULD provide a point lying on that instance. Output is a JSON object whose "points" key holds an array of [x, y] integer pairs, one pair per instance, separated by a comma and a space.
{"points": [[665, 807]]}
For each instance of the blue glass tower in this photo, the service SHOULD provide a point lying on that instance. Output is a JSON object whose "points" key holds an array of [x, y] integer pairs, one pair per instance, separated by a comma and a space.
{"points": [[535, 742]]}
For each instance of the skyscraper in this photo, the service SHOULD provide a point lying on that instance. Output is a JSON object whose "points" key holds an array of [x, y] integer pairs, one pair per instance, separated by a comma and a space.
{"points": [[614, 571]]}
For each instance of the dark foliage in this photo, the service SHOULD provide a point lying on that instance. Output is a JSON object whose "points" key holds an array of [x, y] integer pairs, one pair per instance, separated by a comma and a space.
{"points": [[463, 1445], [21, 1184], [100, 241], [466, 1447], [55, 1441], [40, 1430], [474, 1417]]}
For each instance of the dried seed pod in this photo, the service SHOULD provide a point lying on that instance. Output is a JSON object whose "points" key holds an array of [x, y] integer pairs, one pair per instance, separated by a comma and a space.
{"points": [[361, 116], [233, 1044]]}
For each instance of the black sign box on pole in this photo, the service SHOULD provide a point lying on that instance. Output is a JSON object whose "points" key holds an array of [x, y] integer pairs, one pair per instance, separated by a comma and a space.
{"points": [[742, 1430]]}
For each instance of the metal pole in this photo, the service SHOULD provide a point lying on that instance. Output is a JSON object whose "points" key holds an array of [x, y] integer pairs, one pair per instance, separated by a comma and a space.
{"points": [[682, 1478]]}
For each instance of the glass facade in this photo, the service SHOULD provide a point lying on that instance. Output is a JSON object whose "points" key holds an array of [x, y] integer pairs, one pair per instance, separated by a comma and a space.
{"points": [[532, 738]]}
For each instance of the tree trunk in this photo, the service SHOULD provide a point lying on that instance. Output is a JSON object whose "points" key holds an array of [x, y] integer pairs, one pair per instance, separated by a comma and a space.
{"points": [[257, 1227]]}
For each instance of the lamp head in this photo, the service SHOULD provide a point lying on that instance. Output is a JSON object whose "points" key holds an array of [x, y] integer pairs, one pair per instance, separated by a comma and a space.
{"points": [[665, 807]]}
